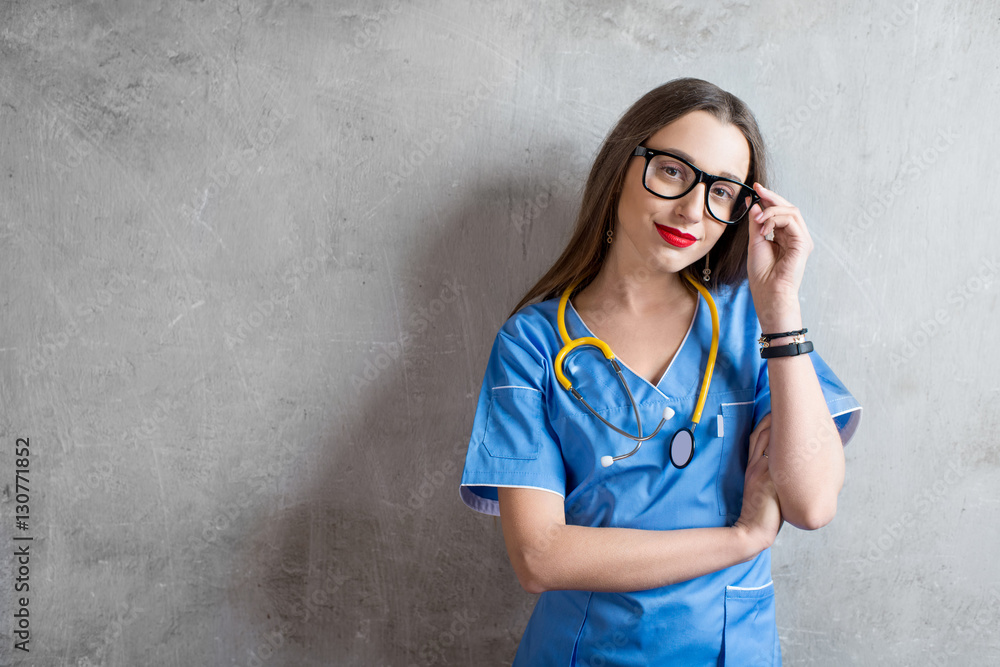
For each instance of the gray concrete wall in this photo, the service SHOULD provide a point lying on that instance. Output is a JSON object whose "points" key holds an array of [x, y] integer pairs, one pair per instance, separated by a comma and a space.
{"points": [[254, 255]]}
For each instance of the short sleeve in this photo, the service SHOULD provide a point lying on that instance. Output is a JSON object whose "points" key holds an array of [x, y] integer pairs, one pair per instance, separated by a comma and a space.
{"points": [[844, 408], [512, 443]]}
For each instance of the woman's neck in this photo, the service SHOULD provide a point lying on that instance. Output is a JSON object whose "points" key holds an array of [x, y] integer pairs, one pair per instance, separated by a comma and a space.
{"points": [[634, 289]]}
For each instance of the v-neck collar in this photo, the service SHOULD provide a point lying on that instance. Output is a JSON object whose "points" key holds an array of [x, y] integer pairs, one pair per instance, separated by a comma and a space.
{"points": [[658, 386]]}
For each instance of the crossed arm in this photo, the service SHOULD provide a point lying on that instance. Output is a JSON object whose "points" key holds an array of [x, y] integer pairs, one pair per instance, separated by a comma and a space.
{"points": [[547, 554], [803, 451]]}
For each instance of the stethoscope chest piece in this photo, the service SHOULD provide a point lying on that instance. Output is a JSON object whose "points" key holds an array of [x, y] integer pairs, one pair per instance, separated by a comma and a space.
{"points": [[682, 448]]}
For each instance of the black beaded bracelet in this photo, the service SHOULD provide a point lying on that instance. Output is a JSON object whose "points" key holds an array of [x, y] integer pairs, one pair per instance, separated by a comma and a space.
{"points": [[790, 350], [766, 338]]}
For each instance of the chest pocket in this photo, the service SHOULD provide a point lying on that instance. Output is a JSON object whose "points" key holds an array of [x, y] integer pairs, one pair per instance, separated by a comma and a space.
{"points": [[737, 419]]}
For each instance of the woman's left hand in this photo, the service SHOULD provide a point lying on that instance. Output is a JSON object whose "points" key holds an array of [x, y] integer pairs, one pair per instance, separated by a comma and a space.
{"points": [[775, 268]]}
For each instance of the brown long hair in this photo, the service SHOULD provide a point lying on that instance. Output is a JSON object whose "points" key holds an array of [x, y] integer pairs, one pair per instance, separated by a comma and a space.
{"points": [[584, 254]]}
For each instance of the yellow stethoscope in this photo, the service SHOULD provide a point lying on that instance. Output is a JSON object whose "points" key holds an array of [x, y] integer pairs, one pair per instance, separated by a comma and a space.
{"points": [[682, 443]]}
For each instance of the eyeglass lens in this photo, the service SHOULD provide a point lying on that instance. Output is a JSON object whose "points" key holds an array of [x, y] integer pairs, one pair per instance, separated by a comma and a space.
{"points": [[670, 177]]}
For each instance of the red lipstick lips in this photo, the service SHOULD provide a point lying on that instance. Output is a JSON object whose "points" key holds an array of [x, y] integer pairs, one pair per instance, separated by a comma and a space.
{"points": [[675, 237]]}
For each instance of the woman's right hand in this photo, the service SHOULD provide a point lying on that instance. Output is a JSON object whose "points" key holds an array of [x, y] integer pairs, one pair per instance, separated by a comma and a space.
{"points": [[760, 518]]}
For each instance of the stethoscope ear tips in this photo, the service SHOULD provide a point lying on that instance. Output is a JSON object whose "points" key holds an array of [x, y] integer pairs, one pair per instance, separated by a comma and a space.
{"points": [[668, 413], [607, 461]]}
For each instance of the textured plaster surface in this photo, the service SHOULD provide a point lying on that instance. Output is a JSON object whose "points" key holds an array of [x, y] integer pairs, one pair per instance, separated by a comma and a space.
{"points": [[254, 255]]}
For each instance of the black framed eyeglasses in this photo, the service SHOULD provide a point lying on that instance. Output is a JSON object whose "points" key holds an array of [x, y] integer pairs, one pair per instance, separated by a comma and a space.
{"points": [[670, 176]]}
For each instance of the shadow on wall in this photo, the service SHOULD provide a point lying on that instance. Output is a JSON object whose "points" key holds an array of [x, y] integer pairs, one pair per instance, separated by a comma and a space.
{"points": [[377, 561]]}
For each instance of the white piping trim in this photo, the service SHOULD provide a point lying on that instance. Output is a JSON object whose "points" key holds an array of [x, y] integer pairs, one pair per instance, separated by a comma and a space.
{"points": [[511, 386], [740, 403], [744, 588], [857, 409], [694, 318], [516, 486]]}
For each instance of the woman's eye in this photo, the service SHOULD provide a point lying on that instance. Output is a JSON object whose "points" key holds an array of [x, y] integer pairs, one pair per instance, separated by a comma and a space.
{"points": [[722, 192], [671, 171]]}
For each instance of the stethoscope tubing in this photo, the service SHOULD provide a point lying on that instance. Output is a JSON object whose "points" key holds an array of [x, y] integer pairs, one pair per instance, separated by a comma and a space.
{"points": [[635, 409], [571, 345]]}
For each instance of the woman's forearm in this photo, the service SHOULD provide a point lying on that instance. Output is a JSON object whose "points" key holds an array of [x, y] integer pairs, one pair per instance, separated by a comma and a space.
{"points": [[556, 556], [805, 454], [625, 559]]}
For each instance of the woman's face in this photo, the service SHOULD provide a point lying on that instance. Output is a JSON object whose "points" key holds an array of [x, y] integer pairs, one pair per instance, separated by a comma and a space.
{"points": [[656, 231]]}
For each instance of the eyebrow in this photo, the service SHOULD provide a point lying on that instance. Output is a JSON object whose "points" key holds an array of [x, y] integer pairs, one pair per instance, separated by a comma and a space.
{"points": [[679, 153]]}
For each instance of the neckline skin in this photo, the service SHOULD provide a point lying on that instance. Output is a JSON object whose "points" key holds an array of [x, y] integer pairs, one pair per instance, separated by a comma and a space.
{"points": [[666, 372]]}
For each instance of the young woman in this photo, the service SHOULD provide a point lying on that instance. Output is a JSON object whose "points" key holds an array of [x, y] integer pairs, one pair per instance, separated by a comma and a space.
{"points": [[680, 261]]}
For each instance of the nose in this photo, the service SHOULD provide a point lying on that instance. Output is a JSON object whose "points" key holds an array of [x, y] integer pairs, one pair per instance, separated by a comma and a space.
{"points": [[692, 205]]}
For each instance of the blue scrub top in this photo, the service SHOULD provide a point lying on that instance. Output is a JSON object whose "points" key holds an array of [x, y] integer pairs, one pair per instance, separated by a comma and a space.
{"points": [[530, 432]]}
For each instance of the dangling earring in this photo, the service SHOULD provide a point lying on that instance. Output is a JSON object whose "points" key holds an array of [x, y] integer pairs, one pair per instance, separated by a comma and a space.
{"points": [[611, 234], [706, 273]]}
